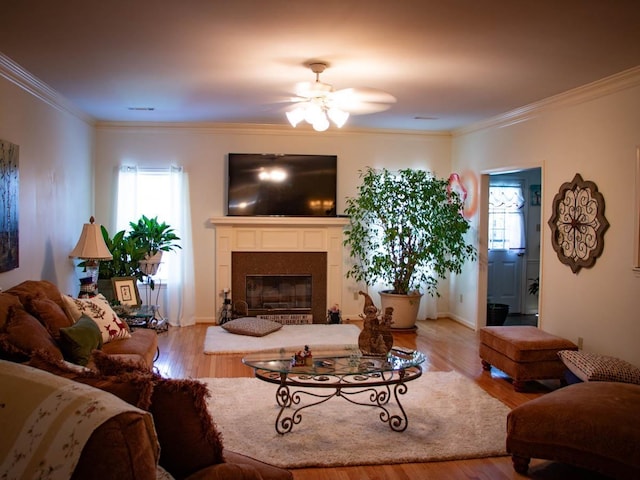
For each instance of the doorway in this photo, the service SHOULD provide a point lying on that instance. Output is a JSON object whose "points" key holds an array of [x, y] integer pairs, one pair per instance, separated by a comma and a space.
{"points": [[513, 264]]}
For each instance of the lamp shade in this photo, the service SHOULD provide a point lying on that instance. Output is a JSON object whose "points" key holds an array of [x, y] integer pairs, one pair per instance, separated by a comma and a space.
{"points": [[91, 244]]}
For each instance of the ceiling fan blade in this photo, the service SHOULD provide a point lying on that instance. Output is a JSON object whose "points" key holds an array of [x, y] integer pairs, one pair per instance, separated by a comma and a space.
{"points": [[364, 95], [360, 101], [363, 108], [312, 89], [303, 89]]}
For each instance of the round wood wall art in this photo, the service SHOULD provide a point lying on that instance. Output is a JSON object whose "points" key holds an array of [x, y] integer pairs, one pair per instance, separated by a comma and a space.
{"points": [[578, 223]]}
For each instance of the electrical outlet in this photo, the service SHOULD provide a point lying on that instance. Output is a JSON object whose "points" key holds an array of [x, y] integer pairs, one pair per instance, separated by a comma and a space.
{"points": [[580, 341], [460, 298], [355, 295]]}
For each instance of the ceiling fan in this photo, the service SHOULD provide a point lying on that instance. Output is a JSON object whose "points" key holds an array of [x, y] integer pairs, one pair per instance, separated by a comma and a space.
{"points": [[317, 102]]}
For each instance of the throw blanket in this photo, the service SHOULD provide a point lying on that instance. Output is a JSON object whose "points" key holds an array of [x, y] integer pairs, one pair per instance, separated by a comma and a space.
{"points": [[46, 420]]}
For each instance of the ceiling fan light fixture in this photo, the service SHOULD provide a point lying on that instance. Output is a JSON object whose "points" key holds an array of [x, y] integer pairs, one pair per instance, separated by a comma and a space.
{"points": [[312, 112], [317, 115], [295, 116], [321, 123], [337, 116], [317, 102]]}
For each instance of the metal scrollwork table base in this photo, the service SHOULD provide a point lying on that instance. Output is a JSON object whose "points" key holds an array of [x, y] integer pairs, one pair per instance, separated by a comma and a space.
{"points": [[377, 382]]}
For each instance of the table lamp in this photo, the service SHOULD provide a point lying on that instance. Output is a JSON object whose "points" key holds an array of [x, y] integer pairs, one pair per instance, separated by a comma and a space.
{"points": [[90, 248]]}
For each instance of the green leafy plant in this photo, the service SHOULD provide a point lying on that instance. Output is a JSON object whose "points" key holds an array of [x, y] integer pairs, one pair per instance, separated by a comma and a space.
{"points": [[406, 230], [153, 236], [126, 256]]}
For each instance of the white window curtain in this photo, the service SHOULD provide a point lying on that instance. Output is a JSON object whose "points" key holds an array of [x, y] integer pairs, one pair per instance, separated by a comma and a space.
{"points": [[163, 193], [428, 307], [506, 218]]}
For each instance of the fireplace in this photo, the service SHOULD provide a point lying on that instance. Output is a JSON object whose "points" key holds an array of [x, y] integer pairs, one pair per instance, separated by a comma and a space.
{"points": [[281, 282], [276, 293], [299, 246]]}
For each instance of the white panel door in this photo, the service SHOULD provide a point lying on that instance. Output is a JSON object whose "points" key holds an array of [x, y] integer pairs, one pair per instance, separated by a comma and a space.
{"points": [[505, 278]]}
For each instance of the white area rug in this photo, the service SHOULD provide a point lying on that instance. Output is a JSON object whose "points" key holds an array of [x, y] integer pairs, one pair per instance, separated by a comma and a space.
{"points": [[449, 417], [295, 337]]}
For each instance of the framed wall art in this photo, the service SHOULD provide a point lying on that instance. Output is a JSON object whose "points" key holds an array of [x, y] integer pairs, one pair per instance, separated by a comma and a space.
{"points": [[636, 250], [125, 290], [9, 235], [578, 223]]}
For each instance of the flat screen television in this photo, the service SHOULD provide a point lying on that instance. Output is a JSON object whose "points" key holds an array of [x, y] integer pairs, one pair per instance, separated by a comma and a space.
{"points": [[281, 185]]}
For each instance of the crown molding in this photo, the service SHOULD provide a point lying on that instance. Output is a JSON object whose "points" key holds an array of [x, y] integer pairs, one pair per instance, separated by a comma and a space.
{"points": [[29, 83], [620, 81], [253, 129]]}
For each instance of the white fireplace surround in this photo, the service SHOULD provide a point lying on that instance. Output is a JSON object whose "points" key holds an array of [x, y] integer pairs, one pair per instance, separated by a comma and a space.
{"points": [[279, 234]]}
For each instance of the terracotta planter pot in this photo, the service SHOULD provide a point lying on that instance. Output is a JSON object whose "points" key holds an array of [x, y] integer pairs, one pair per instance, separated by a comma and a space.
{"points": [[405, 308]]}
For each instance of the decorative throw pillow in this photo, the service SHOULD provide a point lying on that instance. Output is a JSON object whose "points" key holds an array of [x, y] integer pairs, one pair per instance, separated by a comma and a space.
{"points": [[99, 310], [23, 335], [6, 301], [30, 288], [188, 437], [49, 313], [591, 367], [78, 341], [252, 326]]}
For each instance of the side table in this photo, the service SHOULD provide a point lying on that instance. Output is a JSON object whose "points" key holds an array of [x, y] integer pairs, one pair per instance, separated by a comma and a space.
{"points": [[145, 316]]}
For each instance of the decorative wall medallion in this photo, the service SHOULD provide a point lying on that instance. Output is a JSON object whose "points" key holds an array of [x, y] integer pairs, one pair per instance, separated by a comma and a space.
{"points": [[578, 223]]}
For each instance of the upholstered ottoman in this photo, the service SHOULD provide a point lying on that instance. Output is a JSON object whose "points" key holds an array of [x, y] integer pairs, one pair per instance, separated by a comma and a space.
{"points": [[523, 352], [593, 425]]}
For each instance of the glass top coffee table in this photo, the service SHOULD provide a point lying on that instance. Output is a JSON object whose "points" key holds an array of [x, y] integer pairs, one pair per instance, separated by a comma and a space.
{"points": [[372, 381]]}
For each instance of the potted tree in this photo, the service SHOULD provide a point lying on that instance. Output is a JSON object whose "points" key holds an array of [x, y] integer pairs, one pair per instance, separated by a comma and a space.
{"points": [[406, 230], [154, 238]]}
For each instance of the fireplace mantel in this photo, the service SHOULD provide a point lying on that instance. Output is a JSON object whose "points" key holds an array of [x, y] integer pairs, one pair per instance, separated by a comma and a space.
{"points": [[279, 234], [280, 221]]}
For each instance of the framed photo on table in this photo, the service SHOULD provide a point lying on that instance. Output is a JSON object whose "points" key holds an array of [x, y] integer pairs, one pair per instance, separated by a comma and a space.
{"points": [[125, 290]]}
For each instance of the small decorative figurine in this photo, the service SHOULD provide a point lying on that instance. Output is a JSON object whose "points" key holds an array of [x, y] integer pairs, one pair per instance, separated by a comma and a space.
{"points": [[333, 314], [375, 337], [303, 358]]}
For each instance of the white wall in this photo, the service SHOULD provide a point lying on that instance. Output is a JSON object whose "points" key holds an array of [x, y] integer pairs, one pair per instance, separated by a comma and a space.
{"points": [[202, 152], [56, 189], [595, 132]]}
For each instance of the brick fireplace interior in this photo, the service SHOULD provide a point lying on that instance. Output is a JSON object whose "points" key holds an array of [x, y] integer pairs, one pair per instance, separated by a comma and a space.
{"points": [[302, 274]]}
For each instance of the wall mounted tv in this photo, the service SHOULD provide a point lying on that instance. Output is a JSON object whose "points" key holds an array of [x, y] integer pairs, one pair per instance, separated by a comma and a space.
{"points": [[282, 184]]}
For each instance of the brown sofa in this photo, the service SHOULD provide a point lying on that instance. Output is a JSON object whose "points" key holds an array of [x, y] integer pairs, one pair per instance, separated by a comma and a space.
{"points": [[20, 334], [190, 447]]}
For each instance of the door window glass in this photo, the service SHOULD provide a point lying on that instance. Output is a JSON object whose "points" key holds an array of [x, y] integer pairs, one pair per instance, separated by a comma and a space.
{"points": [[506, 218]]}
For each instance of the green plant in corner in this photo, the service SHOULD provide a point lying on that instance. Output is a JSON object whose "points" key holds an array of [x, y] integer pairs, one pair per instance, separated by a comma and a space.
{"points": [[126, 256], [406, 230], [154, 236]]}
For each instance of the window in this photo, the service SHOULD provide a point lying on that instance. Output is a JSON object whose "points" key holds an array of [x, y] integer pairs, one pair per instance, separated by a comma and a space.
{"points": [[163, 193], [506, 217], [150, 192]]}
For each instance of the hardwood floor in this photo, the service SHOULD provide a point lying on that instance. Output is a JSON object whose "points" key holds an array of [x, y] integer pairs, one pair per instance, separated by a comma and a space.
{"points": [[448, 345]]}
